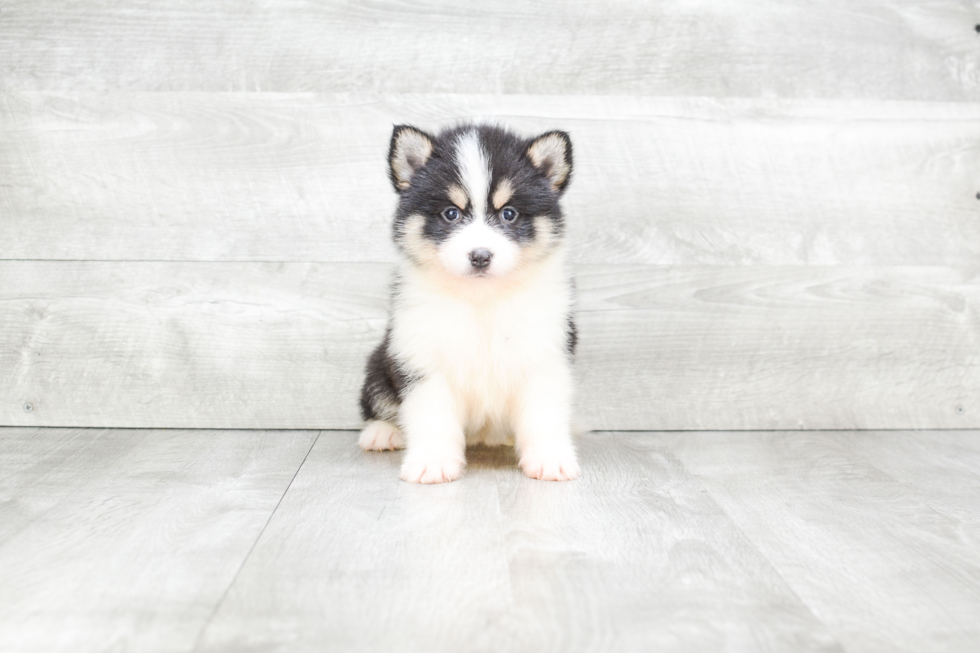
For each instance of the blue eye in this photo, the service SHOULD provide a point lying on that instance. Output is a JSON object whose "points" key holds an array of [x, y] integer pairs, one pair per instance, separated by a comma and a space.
{"points": [[451, 214], [508, 214]]}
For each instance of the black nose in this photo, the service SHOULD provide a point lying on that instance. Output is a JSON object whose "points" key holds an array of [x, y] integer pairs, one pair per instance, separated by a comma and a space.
{"points": [[480, 258]]}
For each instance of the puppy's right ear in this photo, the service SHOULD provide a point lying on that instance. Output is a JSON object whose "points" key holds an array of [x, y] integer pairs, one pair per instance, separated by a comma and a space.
{"points": [[409, 151]]}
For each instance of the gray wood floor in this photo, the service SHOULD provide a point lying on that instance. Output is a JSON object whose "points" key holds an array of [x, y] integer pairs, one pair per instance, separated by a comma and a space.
{"points": [[172, 540]]}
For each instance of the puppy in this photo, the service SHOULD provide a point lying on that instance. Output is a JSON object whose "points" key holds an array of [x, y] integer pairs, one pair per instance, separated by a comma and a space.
{"points": [[480, 338]]}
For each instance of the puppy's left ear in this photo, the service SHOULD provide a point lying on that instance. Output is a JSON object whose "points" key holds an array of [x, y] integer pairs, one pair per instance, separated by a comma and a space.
{"points": [[410, 150], [551, 153]]}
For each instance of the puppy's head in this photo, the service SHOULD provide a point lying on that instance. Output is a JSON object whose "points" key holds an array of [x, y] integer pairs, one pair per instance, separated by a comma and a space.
{"points": [[478, 202]]}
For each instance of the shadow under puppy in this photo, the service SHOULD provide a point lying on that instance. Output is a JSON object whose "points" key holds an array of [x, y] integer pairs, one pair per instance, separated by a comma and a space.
{"points": [[480, 339]]}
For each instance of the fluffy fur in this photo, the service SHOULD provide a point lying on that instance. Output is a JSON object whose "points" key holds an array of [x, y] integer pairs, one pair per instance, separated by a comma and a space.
{"points": [[480, 340]]}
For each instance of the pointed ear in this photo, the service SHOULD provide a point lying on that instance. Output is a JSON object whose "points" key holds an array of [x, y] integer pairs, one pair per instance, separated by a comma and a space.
{"points": [[410, 149], [551, 153]]}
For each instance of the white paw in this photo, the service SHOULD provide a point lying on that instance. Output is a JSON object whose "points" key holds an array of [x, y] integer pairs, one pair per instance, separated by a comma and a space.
{"points": [[379, 435], [432, 468], [556, 463]]}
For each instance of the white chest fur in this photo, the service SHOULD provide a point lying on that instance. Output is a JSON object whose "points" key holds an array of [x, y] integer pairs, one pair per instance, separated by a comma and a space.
{"points": [[486, 340]]}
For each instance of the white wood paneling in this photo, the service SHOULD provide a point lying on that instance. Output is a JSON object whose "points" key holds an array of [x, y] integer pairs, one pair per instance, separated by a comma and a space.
{"points": [[256, 345], [774, 213], [880, 49], [780, 347], [120, 540], [658, 180], [192, 345]]}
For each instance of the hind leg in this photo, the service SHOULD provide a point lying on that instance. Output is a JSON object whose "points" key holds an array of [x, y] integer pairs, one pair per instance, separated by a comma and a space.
{"points": [[380, 435], [379, 402]]}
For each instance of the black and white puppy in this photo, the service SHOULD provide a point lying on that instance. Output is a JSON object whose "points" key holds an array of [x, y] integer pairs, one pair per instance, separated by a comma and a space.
{"points": [[480, 340]]}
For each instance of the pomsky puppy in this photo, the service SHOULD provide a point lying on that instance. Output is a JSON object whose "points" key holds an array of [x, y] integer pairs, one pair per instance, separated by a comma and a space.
{"points": [[480, 338]]}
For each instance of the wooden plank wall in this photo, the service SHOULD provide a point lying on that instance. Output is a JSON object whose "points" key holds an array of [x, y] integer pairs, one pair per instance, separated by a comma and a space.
{"points": [[775, 211]]}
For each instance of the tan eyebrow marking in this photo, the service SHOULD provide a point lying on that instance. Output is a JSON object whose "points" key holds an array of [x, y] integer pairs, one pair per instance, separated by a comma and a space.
{"points": [[503, 194], [458, 196]]}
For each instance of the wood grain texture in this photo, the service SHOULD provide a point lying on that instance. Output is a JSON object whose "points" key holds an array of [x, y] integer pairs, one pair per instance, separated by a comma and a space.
{"points": [[779, 347], [886, 560], [191, 345], [127, 540], [635, 556], [667, 181], [942, 470], [254, 345], [880, 49]]}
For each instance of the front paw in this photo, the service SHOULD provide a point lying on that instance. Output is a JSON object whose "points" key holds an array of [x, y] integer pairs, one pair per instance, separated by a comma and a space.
{"points": [[555, 463], [430, 467]]}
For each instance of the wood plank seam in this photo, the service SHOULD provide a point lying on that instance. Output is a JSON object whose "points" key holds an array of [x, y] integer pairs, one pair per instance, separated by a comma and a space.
{"points": [[231, 583]]}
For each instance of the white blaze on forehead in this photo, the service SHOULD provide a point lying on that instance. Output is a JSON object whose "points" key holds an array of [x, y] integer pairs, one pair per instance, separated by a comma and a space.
{"points": [[474, 171]]}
